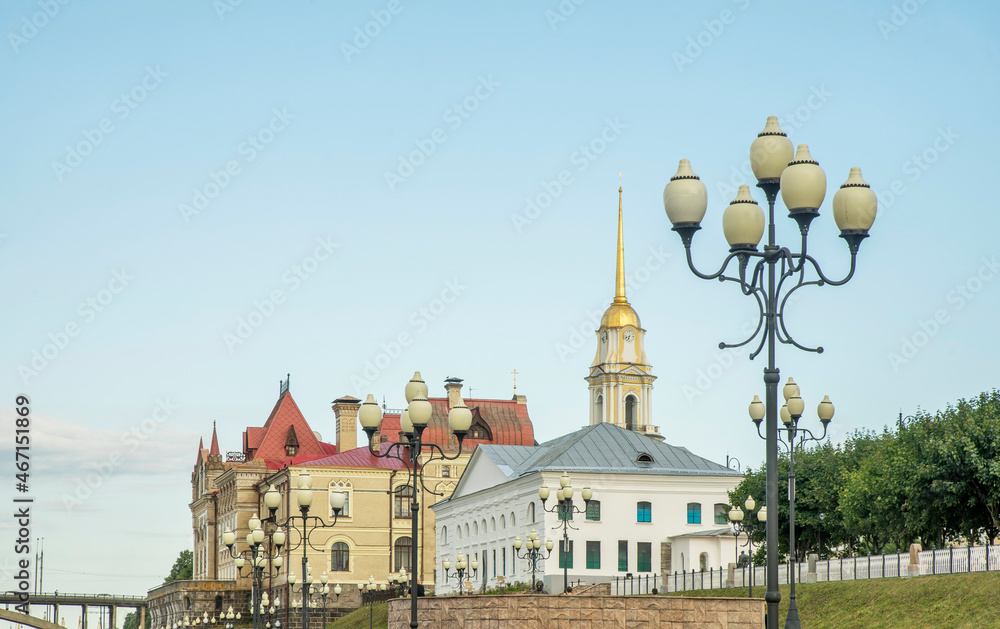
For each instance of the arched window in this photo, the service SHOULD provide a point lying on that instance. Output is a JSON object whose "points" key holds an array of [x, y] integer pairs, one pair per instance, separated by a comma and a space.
{"points": [[493, 524], [594, 510], [694, 513], [444, 534], [721, 514], [218, 602], [703, 562], [402, 549], [643, 512], [630, 413], [599, 408], [503, 522], [466, 529], [475, 528], [484, 527], [403, 499], [459, 527], [344, 486], [513, 520], [340, 558], [531, 512]]}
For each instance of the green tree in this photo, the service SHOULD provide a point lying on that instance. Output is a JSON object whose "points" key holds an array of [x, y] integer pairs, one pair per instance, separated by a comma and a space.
{"points": [[969, 462], [183, 568], [132, 621]]}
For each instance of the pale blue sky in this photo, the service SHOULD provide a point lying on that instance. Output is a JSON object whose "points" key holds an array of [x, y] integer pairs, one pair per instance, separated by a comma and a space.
{"points": [[661, 81]]}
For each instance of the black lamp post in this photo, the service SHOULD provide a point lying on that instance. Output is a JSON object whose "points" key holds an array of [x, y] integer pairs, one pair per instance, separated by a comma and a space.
{"points": [[368, 592], [565, 508], [310, 523], [462, 567], [802, 184], [412, 422], [260, 566], [308, 589], [532, 552], [741, 524], [790, 414]]}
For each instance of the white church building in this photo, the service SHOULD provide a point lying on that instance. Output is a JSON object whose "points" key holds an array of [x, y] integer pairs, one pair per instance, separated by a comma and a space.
{"points": [[656, 508]]}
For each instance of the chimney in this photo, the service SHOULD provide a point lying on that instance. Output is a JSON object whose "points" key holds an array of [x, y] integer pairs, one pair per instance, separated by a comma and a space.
{"points": [[346, 411], [454, 388]]}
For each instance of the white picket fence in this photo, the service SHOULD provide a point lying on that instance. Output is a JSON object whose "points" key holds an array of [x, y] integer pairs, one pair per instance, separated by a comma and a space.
{"points": [[940, 561]]}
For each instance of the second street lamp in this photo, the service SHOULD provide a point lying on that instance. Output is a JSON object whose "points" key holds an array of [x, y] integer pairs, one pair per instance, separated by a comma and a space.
{"points": [[532, 552], [413, 421], [461, 565], [790, 414], [565, 509], [802, 184]]}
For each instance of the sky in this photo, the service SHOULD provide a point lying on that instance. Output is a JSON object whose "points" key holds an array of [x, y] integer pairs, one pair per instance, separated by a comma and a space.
{"points": [[201, 197]]}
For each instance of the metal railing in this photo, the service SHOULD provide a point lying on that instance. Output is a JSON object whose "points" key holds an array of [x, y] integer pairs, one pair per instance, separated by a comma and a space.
{"points": [[955, 560], [633, 584]]}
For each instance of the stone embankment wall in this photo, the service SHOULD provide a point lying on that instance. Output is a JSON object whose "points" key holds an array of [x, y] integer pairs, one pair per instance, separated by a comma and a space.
{"points": [[580, 612]]}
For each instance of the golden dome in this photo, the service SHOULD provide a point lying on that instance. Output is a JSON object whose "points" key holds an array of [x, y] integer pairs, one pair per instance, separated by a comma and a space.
{"points": [[619, 315]]}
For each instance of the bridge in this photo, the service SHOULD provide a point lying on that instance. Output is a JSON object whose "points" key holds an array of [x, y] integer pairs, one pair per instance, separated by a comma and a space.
{"points": [[84, 601]]}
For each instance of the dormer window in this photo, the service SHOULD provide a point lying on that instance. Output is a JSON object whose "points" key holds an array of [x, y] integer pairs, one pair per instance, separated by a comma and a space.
{"points": [[644, 458], [291, 442]]}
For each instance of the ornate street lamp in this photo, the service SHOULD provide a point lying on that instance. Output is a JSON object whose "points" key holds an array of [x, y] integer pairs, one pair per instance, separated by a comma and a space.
{"points": [[413, 421], [461, 566], [532, 552], [802, 184], [261, 563], [790, 414], [740, 523], [309, 523], [565, 508]]}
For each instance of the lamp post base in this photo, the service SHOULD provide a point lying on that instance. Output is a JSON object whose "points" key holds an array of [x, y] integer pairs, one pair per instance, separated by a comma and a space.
{"points": [[792, 620]]}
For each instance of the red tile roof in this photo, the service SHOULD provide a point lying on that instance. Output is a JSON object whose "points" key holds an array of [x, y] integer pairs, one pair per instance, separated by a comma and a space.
{"points": [[358, 457], [506, 420], [268, 442]]}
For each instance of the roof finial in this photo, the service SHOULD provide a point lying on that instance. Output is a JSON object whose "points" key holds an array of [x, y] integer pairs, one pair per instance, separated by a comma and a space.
{"points": [[515, 381], [620, 268]]}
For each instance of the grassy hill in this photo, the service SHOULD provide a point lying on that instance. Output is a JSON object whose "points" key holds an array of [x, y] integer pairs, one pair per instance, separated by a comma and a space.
{"points": [[958, 601], [358, 619], [954, 601]]}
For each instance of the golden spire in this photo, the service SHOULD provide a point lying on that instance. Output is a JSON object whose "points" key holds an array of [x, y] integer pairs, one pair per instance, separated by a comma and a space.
{"points": [[620, 268]]}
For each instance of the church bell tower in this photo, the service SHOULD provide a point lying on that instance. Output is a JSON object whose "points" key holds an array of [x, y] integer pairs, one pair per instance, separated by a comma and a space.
{"points": [[621, 378]]}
